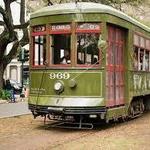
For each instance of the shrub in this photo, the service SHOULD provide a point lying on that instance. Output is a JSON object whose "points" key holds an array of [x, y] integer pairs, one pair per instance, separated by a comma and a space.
{"points": [[4, 94]]}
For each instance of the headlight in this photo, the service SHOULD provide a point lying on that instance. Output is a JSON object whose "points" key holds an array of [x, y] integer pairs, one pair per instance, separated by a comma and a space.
{"points": [[58, 86]]}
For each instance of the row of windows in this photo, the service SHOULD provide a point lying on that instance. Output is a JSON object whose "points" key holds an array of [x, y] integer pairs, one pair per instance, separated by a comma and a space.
{"points": [[141, 53], [86, 44], [60, 45], [87, 50]]}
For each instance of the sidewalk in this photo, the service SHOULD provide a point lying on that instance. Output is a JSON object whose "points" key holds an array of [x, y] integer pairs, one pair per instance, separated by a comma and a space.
{"points": [[13, 109], [18, 99]]}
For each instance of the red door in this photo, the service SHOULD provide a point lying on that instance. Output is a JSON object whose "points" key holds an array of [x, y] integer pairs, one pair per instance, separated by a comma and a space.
{"points": [[115, 66]]}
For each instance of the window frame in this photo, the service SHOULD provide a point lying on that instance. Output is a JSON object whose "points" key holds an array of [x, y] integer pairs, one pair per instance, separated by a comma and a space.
{"points": [[57, 32], [33, 35], [140, 48], [72, 31], [78, 31]]}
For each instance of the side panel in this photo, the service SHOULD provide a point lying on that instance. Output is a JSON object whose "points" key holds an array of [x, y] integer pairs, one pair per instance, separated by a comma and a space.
{"points": [[115, 67], [140, 83]]}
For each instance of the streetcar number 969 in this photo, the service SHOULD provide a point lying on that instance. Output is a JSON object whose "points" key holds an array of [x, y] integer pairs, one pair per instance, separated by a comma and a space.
{"points": [[59, 75]]}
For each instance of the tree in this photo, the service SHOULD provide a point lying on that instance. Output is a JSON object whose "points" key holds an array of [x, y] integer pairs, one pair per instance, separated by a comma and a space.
{"points": [[9, 34], [138, 9], [114, 3]]}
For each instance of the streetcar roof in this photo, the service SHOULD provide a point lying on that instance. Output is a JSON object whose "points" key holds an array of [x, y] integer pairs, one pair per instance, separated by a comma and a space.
{"points": [[85, 7]]}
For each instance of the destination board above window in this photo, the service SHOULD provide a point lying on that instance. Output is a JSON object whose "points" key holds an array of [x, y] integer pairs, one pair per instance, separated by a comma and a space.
{"points": [[60, 28], [39, 29], [136, 40], [88, 27], [147, 44], [142, 42]]}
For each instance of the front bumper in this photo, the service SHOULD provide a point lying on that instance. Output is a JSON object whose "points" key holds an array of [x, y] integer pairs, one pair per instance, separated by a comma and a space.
{"points": [[43, 110]]}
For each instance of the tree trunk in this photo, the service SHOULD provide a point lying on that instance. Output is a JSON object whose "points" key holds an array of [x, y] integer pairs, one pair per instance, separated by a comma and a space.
{"points": [[22, 12], [1, 74]]}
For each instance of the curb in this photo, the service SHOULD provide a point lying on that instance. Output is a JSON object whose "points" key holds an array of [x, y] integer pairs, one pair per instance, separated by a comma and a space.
{"points": [[17, 100], [3, 101]]}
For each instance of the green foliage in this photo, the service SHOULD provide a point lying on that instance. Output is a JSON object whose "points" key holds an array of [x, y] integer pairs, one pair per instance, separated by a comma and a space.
{"points": [[4, 94]]}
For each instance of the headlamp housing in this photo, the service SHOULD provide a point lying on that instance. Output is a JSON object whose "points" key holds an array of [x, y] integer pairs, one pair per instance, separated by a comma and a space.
{"points": [[59, 86]]}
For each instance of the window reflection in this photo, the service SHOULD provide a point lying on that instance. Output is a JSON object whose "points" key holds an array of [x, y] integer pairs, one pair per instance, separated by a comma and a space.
{"points": [[87, 49], [141, 55]]}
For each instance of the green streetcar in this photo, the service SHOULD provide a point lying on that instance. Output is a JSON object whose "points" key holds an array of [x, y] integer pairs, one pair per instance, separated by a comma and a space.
{"points": [[89, 63]]}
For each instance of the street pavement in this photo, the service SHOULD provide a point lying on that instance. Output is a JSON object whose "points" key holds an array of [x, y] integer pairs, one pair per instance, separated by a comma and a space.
{"points": [[14, 109]]}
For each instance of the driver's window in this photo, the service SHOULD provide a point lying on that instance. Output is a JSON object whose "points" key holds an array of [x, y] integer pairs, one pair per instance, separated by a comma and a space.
{"points": [[60, 44], [61, 49]]}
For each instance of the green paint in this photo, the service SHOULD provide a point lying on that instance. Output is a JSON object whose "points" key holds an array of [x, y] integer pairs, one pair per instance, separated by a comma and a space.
{"points": [[62, 101], [88, 83], [113, 113], [91, 83]]}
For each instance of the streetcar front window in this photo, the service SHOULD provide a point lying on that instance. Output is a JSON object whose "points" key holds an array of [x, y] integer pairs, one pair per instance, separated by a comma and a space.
{"points": [[61, 48], [39, 50], [87, 48]]}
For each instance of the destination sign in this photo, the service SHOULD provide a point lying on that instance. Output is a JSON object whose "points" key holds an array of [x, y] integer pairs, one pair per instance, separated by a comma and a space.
{"points": [[88, 27], [39, 29], [60, 27]]}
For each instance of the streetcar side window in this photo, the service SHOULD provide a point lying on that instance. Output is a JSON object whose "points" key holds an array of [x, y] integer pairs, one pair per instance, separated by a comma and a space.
{"points": [[141, 60], [39, 50], [147, 60], [135, 58], [141, 56], [60, 48], [87, 49]]}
